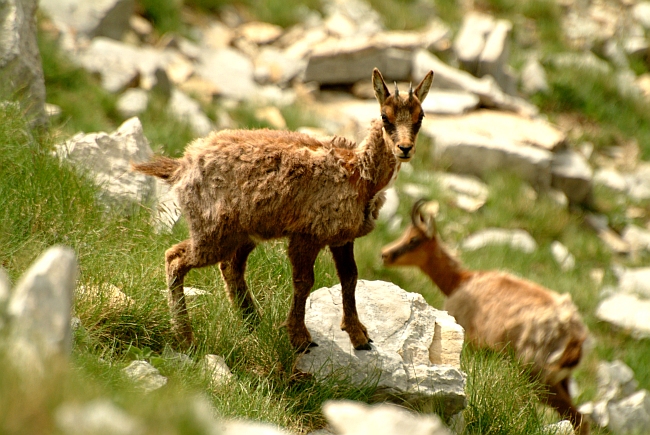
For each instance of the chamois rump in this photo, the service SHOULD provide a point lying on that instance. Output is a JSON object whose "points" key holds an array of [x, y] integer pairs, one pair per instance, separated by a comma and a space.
{"points": [[239, 187], [498, 309]]}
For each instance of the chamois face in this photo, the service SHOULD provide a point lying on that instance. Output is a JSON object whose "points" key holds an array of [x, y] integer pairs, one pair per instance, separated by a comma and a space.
{"points": [[401, 113], [417, 243]]}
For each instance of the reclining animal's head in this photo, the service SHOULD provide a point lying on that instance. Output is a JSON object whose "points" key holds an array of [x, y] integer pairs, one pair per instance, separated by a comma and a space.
{"points": [[402, 113], [418, 241]]}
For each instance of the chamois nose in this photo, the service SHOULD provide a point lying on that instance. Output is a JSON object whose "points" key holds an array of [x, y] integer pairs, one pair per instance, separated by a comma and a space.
{"points": [[405, 149]]}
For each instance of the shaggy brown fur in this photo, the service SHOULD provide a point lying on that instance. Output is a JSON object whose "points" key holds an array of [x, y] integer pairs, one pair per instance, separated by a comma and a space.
{"points": [[237, 187], [498, 309]]}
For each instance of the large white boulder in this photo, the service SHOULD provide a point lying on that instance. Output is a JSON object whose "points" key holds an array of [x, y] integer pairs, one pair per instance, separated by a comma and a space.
{"points": [[39, 310], [21, 71], [415, 351], [486, 140], [106, 158], [91, 18]]}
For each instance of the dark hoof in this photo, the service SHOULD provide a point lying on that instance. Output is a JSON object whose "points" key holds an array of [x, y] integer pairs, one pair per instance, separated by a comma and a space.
{"points": [[305, 348], [364, 347], [370, 340], [252, 321]]}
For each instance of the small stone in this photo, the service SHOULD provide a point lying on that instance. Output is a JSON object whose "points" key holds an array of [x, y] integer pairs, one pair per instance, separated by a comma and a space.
{"points": [[563, 427], [216, 368], [631, 415], [272, 116], [132, 102], [260, 33], [106, 293], [562, 256], [516, 239], [145, 376], [97, 417], [615, 380]]}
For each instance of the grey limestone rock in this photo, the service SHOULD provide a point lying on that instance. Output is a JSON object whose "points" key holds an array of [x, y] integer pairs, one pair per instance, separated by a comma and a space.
{"points": [[415, 350], [21, 71], [39, 309]]}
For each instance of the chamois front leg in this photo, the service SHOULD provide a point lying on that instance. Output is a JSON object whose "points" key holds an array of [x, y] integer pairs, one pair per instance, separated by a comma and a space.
{"points": [[302, 254], [233, 271], [346, 268], [176, 267], [559, 398]]}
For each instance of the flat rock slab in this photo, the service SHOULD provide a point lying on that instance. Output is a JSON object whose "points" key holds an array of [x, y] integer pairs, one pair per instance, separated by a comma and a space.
{"points": [[338, 61], [450, 102], [627, 312], [410, 341], [354, 418], [504, 125], [478, 151], [635, 281]]}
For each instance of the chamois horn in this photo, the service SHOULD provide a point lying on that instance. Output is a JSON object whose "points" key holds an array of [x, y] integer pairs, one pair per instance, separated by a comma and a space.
{"points": [[425, 222]]}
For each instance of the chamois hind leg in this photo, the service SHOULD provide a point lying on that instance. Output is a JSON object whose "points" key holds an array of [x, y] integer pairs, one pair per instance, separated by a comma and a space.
{"points": [[559, 398], [177, 265], [346, 268], [179, 260], [302, 254], [233, 271]]}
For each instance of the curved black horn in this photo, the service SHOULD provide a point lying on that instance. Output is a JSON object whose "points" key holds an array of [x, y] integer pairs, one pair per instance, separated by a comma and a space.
{"points": [[424, 222], [396, 90], [416, 215], [410, 92]]}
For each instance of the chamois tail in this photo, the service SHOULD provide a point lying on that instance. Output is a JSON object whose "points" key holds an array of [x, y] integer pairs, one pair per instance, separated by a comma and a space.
{"points": [[161, 167]]}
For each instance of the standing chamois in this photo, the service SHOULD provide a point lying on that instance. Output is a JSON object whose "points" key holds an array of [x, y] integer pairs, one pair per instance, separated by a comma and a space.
{"points": [[498, 309], [239, 187]]}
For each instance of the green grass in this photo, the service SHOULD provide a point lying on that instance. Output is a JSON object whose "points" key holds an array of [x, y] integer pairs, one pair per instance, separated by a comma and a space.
{"points": [[165, 15], [489, 411], [281, 12], [85, 106], [594, 101], [43, 203]]}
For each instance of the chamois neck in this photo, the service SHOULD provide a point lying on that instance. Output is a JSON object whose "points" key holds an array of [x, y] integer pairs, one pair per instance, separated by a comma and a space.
{"points": [[377, 161], [444, 270]]}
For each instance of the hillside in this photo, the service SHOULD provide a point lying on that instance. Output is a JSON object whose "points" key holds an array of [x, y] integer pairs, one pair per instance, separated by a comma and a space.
{"points": [[553, 140]]}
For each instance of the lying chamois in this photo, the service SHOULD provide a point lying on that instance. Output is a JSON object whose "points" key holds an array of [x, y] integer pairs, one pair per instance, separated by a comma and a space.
{"points": [[497, 309], [238, 187]]}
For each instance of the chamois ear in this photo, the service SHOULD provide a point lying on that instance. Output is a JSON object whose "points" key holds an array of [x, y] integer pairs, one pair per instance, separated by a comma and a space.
{"points": [[378, 84], [423, 88]]}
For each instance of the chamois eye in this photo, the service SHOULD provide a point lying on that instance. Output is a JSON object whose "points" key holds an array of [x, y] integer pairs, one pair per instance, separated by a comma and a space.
{"points": [[384, 118], [414, 242]]}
